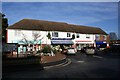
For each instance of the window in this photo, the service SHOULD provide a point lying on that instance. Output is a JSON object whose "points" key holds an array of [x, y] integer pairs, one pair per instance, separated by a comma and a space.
{"points": [[97, 37], [54, 34], [87, 36], [104, 37], [17, 32], [68, 35], [77, 36]]}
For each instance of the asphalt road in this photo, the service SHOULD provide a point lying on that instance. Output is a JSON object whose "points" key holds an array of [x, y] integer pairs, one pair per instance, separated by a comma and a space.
{"points": [[82, 66]]}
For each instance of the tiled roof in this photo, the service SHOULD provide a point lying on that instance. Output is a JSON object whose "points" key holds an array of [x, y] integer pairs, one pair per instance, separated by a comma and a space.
{"points": [[30, 24]]}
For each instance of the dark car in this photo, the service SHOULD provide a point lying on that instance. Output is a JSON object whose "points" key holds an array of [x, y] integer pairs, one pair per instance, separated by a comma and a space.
{"points": [[83, 49]]}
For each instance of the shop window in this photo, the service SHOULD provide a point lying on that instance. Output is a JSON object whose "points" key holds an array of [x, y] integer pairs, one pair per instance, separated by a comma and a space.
{"points": [[77, 35], [54, 34], [68, 35], [87, 36]]}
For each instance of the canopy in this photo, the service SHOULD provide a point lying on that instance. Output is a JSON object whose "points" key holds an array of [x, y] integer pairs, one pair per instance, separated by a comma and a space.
{"points": [[62, 42]]}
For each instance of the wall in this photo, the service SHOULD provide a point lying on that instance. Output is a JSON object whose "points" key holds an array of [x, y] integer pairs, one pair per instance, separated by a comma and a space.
{"points": [[83, 40], [13, 38], [27, 34]]}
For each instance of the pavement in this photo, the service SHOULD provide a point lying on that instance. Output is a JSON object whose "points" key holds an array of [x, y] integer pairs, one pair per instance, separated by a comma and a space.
{"points": [[54, 61], [30, 63]]}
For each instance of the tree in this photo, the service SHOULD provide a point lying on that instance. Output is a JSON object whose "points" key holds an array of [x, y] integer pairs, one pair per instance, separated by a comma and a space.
{"points": [[0, 27], [4, 26], [36, 39], [0, 32], [113, 36], [73, 36], [49, 35], [118, 37]]}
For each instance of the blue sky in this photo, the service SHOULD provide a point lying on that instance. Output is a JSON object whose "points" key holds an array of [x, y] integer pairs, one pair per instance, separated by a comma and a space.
{"points": [[60, 0], [97, 14]]}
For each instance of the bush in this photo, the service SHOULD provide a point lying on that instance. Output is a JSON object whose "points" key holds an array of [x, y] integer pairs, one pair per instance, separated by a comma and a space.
{"points": [[47, 49], [55, 51], [39, 51]]}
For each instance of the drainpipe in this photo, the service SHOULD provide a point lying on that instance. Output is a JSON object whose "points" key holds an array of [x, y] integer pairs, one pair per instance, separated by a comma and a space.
{"points": [[46, 37]]}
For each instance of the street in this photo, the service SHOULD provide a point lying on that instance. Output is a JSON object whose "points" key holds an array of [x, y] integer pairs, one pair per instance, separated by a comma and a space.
{"points": [[82, 66]]}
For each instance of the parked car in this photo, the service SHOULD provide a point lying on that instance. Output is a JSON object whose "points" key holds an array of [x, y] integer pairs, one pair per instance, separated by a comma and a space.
{"points": [[71, 51], [90, 50]]}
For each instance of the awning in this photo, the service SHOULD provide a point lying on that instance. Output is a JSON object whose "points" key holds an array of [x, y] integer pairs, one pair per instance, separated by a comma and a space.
{"points": [[29, 42], [100, 42], [62, 42]]}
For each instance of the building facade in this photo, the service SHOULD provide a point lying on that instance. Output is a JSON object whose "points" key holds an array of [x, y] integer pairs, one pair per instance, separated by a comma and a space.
{"points": [[32, 35]]}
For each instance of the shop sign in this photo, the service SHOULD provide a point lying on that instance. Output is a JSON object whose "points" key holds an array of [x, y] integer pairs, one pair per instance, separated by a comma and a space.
{"points": [[61, 39]]}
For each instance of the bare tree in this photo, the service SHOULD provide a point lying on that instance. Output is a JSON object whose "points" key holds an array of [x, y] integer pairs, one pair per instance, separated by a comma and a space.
{"points": [[24, 39], [36, 38], [113, 36]]}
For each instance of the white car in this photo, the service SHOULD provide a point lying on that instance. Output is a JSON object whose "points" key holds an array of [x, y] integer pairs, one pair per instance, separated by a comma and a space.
{"points": [[71, 51], [90, 50]]}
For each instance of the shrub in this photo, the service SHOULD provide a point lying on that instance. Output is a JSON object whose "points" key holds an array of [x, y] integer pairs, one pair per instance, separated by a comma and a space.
{"points": [[55, 51], [39, 51], [49, 35], [47, 49], [73, 36]]}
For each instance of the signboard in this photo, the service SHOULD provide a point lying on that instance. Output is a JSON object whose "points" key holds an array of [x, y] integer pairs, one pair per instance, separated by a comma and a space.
{"points": [[61, 39]]}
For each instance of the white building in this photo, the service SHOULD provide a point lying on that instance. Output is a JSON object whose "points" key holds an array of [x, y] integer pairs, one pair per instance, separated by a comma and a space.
{"points": [[35, 34]]}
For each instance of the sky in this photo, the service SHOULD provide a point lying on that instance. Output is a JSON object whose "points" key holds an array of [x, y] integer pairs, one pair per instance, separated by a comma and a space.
{"points": [[60, 0], [95, 14]]}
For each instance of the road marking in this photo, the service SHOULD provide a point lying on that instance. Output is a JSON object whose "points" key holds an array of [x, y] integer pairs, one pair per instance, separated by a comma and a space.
{"points": [[80, 61], [69, 62], [97, 56], [59, 65]]}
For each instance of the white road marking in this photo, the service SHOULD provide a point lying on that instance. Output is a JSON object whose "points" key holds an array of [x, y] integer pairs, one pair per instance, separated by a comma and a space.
{"points": [[80, 61], [97, 56], [59, 65]]}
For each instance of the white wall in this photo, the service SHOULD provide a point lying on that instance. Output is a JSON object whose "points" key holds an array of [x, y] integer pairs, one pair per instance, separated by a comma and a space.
{"points": [[28, 33], [12, 38], [83, 40], [61, 34]]}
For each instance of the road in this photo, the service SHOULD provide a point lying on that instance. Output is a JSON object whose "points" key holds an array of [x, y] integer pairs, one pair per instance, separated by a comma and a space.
{"points": [[82, 66]]}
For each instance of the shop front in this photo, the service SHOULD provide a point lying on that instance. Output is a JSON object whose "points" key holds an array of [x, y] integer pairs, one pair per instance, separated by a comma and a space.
{"points": [[62, 42], [80, 44], [27, 48], [101, 44]]}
